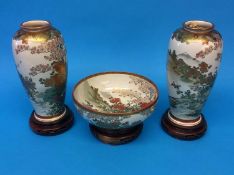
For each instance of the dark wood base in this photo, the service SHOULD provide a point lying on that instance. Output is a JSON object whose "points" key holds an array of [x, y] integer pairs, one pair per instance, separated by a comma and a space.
{"points": [[52, 128], [182, 132], [116, 136]]}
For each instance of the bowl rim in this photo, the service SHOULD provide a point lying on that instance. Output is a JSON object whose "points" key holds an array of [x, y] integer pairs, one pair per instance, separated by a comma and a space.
{"points": [[115, 114]]}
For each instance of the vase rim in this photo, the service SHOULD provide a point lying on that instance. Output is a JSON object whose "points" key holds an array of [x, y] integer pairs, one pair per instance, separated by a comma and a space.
{"points": [[35, 25], [198, 26]]}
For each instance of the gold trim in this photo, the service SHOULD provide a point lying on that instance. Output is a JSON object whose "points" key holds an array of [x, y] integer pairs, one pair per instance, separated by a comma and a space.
{"points": [[35, 25], [51, 119], [198, 26], [188, 123]]}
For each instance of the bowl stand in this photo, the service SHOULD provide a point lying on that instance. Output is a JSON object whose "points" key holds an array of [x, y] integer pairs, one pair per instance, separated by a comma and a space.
{"points": [[116, 136]]}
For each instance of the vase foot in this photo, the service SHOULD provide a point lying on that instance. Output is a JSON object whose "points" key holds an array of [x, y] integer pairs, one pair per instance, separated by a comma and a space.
{"points": [[52, 128], [116, 136], [183, 132]]}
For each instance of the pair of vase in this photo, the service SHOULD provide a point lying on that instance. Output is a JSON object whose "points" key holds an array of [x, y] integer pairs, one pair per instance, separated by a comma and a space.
{"points": [[193, 60]]}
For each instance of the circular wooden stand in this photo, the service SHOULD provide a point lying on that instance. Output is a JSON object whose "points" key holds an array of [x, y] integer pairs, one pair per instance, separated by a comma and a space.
{"points": [[52, 128], [183, 132], [116, 136]]}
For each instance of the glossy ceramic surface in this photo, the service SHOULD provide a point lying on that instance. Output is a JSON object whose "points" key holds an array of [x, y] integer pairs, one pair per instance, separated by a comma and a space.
{"points": [[40, 58], [115, 100], [194, 57]]}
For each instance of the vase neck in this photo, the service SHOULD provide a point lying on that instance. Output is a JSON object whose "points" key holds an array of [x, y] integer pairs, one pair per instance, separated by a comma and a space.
{"points": [[196, 26], [35, 26]]}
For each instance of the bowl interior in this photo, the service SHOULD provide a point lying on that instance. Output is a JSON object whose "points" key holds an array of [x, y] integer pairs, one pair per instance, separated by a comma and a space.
{"points": [[115, 93]]}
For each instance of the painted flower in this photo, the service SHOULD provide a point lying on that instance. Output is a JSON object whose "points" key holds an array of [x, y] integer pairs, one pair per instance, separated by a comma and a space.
{"points": [[55, 80], [203, 67], [60, 67], [115, 100], [120, 107], [144, 105]]}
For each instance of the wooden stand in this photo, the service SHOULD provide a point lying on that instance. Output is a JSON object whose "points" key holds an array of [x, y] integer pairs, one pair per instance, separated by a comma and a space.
{"points": [[116, 136], [52, 128], [183, 132]]}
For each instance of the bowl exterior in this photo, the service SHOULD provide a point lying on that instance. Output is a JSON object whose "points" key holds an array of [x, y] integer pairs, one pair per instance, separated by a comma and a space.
{"points": [[115, 122]]}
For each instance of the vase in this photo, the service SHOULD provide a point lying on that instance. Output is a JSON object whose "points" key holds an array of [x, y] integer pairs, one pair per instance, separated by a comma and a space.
{"points": [[194, 57], [40, 58]]}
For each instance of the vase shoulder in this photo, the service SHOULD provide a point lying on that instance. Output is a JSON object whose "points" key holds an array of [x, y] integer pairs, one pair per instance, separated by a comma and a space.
{"points": [[183, 36], [39, 37]]}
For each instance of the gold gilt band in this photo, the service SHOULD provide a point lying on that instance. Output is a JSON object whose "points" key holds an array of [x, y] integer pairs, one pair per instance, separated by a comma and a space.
{"points": [[50, 119], [187, 123]]}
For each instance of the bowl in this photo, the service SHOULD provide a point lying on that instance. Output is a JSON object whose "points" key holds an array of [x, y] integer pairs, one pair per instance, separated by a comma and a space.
{"points": [[115, 102]]}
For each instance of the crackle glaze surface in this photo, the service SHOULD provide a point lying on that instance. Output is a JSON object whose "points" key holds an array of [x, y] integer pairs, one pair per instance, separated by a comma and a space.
{"points": [[40, 59], [115, 100], [193, 62]]}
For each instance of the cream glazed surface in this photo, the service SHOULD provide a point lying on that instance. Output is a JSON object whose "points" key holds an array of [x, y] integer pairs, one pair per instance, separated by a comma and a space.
{"points": [[194, 57], [40, 58]]}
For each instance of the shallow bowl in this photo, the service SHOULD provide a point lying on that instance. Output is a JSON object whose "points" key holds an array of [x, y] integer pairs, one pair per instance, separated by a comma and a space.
{"points": [[115, 100]]}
